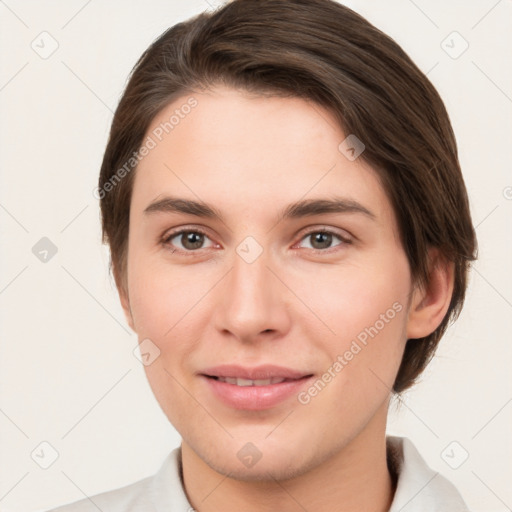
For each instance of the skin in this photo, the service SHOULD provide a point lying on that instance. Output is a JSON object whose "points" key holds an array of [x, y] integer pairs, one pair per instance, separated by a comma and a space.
{"points": [[249, 157]]}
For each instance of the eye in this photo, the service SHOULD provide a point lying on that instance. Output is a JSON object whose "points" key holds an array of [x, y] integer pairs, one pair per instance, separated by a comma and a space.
{"points": [[322, 239], [190, 239]]}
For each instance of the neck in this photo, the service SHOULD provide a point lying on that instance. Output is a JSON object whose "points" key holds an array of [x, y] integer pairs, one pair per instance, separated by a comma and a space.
{"points": [[353, 479]]}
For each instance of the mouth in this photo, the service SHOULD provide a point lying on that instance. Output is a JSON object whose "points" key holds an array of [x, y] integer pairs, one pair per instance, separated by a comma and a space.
{"points": [[238, 381], [256, 388]]}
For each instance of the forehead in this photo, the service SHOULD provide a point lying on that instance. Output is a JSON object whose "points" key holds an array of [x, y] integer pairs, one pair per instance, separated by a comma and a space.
{"points": [[236, 148]]}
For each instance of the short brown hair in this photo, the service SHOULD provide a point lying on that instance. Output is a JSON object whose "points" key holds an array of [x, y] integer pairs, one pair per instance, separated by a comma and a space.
{"points": [[322, 51]]}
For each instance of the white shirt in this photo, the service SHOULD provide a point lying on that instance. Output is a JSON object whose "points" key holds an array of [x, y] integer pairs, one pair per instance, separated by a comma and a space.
{"points": [[419, 488]]}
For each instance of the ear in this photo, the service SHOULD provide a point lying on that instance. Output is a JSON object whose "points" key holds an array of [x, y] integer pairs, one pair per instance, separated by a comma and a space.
{"points": [[122, 289], [430, 303]]}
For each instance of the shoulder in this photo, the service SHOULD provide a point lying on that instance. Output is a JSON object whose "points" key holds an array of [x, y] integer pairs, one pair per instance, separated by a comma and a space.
{"points": [[162, 490], [419, 488]]}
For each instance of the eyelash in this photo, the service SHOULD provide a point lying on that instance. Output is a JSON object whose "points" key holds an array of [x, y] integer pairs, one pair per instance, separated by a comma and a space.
{"points": [[169, 236]]}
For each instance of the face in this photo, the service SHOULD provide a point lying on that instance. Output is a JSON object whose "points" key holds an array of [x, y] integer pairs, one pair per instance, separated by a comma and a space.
{"points": [[280, 329]]}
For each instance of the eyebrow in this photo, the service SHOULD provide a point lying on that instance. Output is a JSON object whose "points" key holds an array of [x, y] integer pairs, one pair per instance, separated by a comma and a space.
{"points": [[299, 209]]}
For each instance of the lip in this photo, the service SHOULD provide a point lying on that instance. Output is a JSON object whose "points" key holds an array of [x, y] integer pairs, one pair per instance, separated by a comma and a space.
{"points": [[264, 371], [254, 397]]}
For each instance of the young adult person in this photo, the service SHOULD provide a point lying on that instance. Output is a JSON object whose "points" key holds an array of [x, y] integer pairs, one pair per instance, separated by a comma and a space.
{"points": [[290, 237]]}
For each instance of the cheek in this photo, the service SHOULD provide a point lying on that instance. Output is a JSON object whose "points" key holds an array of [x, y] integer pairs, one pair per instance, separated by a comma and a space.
{"points": [[361, 367], [165, 300], [166, 307], [365, 310], [350, 299]]}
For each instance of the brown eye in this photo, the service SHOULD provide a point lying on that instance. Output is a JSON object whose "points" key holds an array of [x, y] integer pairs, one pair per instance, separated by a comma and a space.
{"points": [[321, 240], [192, 240], [186, 240]]}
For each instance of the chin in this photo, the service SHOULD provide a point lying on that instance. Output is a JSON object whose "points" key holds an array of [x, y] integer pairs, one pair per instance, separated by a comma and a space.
{"points": [[271, 459], [263, 471]]}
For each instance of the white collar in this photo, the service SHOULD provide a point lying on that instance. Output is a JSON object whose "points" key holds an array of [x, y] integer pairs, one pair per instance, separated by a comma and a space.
{"points": [[418, 489]]}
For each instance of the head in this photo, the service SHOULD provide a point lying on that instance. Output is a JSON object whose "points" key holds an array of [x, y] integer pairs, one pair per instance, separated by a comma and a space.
{"points": [[251, 110]]}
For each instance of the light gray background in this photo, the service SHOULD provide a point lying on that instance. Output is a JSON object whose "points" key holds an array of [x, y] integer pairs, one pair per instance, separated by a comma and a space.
{"points": [[68, 374]]}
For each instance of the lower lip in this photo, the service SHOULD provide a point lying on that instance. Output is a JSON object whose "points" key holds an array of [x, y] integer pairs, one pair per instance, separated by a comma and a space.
{"points": [[255, 398]]}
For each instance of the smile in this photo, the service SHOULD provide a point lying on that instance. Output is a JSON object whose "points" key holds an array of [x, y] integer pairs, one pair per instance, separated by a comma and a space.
{"points": [[254, 388], [248, 382]]}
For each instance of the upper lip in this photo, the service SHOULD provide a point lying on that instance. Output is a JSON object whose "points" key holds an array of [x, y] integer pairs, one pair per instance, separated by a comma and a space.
{"points": [[266, 371]]}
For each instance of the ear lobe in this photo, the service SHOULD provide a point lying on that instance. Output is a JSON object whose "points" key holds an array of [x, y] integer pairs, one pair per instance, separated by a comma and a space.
{"points": [[430, 303]]}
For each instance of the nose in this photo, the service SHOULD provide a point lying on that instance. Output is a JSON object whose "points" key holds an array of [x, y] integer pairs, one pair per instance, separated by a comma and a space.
{"points": [[254, 303]]}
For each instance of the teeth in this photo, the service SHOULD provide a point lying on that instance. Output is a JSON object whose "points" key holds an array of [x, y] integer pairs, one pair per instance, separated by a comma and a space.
{"points": [[249, 382], [244, 382], [262, 382]]}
